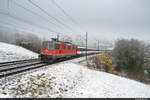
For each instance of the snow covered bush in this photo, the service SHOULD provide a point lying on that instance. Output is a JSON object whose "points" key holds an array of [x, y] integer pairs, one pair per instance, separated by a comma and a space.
{"points": [[129, 55]]}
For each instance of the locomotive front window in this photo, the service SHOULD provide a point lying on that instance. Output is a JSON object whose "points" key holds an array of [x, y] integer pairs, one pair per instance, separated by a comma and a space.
{"points": [[51, 45], [44, 44], [69, 47]]}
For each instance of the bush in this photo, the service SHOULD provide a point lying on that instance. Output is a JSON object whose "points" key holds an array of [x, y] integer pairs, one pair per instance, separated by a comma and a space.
{"points": [[104, 62], [128, 55]]}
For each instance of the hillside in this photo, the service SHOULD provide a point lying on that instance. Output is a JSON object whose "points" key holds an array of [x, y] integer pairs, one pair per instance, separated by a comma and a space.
{"points": [[66, 79], [9, 52]]}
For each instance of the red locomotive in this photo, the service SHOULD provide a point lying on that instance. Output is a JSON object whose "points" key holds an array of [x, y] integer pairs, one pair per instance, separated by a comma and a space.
{"points": [[52, 50], [57, 49]]}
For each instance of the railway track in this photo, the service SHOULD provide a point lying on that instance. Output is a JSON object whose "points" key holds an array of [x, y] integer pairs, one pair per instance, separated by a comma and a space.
{"points": [[16, 62], [15, 67]]}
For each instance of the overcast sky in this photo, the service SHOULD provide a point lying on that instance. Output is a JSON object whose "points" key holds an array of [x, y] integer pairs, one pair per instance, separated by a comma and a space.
{"points": [[102, 19]]}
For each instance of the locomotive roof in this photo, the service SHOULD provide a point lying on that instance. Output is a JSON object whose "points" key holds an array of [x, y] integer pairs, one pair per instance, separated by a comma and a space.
{"points": [[60, 42]]}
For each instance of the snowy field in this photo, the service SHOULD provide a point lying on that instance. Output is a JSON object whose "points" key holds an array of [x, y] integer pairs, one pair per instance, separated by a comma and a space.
{"points": [[9, 52], [68, 79]]}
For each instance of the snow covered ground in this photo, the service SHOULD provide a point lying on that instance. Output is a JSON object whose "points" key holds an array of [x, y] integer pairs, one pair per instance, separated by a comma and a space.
{"points": [[67, 79], [9, 52]]}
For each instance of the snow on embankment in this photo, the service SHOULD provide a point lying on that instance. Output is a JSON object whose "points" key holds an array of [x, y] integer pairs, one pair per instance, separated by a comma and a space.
{"points": [[68, 79], [9, 52], [105, 85]]}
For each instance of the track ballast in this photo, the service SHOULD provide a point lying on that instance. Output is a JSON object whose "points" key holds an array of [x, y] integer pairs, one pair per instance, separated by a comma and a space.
{"points": [[15, 67]]}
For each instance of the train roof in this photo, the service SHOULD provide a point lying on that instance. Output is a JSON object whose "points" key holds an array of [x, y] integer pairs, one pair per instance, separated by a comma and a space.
{"points": [[88, 49], [85, 48], [60, 42]]}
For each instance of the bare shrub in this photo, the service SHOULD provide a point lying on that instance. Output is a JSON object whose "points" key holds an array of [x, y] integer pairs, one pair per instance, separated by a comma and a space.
{"points": [[7, 37], [29, 41], [129, 57], [100, 65], [129, 54], [104, 62]]}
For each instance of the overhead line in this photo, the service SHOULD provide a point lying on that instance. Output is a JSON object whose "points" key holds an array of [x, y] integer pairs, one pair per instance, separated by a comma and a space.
{"points": [[10, 24], [18, 18], [15, 26], [34, 13], [59, 7], [49, 14]]}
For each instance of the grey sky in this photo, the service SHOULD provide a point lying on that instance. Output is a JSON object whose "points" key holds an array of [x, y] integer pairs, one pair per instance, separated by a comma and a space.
{"points": [[102, 19]]}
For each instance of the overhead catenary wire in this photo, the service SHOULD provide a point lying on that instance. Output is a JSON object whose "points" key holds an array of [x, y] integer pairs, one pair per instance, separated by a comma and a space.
{"points": [[18, 18], [50, 15], [65, 13], [15, 27], [28, 22], [35, 13]]}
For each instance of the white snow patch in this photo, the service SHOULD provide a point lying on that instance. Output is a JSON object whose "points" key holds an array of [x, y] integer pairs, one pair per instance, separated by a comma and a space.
{"points": [[9, 52], [73, 80]]}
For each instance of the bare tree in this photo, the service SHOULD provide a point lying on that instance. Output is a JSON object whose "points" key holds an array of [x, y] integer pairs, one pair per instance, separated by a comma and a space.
{"points": [[129, 54]]}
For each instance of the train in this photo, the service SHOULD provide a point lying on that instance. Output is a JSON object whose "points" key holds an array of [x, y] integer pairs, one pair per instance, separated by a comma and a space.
{"points": [[55, 49]]}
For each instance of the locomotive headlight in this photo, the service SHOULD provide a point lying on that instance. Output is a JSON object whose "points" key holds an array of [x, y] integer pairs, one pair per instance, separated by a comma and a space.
{"points": [[46, 51]]}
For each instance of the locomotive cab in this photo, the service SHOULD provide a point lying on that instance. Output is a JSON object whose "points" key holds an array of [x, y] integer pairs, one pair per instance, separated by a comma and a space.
{"points": [[47, 50], [52, 50]]}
